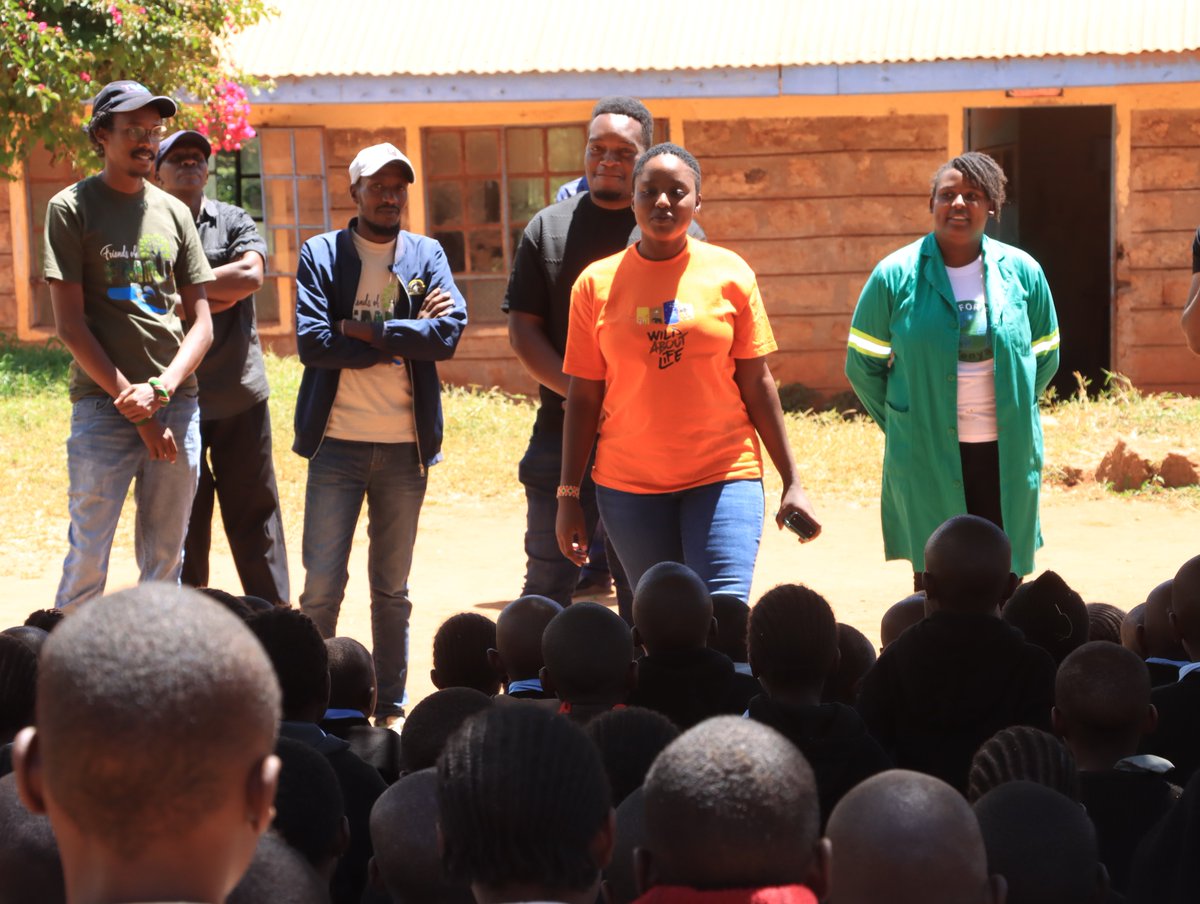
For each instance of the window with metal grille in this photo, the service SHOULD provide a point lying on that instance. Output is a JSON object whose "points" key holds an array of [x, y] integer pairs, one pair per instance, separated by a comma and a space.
{"points": [[482, 187]]}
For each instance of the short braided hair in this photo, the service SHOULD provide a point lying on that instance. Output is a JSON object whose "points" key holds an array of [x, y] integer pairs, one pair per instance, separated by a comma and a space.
{"points": [[1104, 622], [792, 636], [980, 170], [1022, 753], [521, 793]]}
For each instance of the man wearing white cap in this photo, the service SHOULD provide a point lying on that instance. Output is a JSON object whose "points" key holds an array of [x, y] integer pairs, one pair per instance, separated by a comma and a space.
{"points": [[122, 259], [376, 308]]}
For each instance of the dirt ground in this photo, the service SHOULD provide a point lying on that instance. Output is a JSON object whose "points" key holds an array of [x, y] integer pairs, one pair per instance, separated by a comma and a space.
{"points": [[470, 557]]}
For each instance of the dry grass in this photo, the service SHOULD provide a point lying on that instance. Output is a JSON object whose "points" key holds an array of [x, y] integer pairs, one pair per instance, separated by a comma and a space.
{"points": [[486, 432]]}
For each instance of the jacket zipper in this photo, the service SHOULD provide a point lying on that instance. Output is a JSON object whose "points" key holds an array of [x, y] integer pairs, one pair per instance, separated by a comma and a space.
{"points": [[412, 313]]}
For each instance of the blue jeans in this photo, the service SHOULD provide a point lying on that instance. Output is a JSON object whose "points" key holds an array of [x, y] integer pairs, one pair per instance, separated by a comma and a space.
{"points": [[547, 571], [389, 477], [713, 529], [105, 454]]}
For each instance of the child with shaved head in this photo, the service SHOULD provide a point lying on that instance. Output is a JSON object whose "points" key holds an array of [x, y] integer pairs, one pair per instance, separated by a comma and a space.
{"points": [[732, 815], [907, 838], [680, 676], [153, 753], [954, 679], [1043, 844], [517, 656], [1102, 709], [1177, 736], [1156, 639], [408, 862], [900, 617], [460, 653], [30, 868], [588, 651], [793, 647], [352, 698]]}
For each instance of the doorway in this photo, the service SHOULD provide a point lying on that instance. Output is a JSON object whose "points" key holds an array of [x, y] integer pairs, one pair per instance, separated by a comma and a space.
{"points": [[1059, 163]]}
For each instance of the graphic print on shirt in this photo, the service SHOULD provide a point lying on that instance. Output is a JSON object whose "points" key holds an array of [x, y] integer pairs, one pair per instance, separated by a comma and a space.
{"points": [[974, 341], [144, 275], [380, 307], [666, 343]]}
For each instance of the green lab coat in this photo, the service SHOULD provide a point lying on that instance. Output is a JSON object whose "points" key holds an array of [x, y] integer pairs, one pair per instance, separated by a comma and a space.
{"points": [[902, 361]]}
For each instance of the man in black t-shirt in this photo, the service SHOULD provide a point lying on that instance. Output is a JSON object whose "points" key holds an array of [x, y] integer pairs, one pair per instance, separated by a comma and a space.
{"points": [[557, 245], [235, 423], [1191, 311]]}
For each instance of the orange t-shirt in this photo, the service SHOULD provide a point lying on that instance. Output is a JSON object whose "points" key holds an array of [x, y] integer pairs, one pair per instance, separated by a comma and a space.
{"points": [[663, 336]]}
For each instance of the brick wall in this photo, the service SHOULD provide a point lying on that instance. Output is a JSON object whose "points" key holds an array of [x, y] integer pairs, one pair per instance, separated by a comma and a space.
{"points": [[8, 297], [813, 205], [1154, 258]]}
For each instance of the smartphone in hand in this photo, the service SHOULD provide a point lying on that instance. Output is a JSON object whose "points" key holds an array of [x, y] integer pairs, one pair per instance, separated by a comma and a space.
{"points": [[801, 525]]}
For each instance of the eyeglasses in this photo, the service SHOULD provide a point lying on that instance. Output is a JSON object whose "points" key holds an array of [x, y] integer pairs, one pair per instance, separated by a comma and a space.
{"points": [[154, 135]]}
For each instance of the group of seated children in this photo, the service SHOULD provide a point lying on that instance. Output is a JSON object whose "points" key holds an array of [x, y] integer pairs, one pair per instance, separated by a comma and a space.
{"points": [[1010, 743]]}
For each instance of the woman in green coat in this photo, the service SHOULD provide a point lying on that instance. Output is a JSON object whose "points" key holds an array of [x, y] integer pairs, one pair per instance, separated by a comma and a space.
{"points": [[952, 342]]}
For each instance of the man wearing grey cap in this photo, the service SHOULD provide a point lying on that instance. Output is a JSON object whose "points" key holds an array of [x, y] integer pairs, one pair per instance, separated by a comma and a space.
{"points": [[122, 259], [235, 423], [376, 308]]}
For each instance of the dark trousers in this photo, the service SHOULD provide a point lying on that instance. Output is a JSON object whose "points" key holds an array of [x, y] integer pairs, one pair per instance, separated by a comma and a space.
{"points": [[981, 484], [236, 470], [547, 571], [981, 480]]}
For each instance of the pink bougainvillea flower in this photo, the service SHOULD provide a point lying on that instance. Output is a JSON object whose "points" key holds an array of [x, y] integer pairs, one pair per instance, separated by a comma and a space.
{"points": [[85, 76]]}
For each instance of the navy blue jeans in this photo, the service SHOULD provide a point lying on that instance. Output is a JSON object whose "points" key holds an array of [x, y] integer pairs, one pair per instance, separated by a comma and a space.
{"points": [[340, 476], [547, 571], [714, 530]]}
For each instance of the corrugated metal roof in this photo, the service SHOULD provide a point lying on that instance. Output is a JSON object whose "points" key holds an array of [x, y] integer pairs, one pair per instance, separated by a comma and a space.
{"points": [[455, 37]]}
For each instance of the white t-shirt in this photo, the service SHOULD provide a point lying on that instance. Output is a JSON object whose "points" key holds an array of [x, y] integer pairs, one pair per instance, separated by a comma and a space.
{"points": [[374, 404], [976, 369]]}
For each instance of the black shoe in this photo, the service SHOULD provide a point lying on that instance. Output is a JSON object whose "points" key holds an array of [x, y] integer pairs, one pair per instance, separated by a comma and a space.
{"points": [[593, 585]]}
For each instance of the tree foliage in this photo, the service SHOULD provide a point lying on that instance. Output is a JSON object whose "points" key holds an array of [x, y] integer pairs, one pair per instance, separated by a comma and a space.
{"points": [[57, 54]]}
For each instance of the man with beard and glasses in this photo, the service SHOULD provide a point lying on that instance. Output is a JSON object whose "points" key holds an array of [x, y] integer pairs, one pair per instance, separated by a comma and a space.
{"points": [[125, 263], [557, 245], [376, 308]]}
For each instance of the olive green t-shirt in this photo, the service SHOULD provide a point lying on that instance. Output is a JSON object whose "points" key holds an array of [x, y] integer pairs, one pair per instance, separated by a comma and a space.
{"points": [[131, 253]]}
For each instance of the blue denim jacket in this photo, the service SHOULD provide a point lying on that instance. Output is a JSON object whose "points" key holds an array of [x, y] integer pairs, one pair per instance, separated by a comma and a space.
{"points": [[326, 282]]}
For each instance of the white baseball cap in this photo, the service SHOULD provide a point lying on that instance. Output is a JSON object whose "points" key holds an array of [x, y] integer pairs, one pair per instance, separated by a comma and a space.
{"points": [[371, 160]]}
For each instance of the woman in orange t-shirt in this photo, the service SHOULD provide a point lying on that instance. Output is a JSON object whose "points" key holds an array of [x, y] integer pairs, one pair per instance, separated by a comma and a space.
{"points": [[666, 352]]}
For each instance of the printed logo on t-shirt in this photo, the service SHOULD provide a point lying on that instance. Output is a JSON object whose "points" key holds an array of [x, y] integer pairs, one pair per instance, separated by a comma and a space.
{"points": [[666, 344], [381, 306], [974, 341], [143, 275], [669, 312]]}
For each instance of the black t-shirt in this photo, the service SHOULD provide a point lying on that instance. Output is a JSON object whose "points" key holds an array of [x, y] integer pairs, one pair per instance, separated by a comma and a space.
{"points": [[559, 242], [232, 376], [1196, 253]]}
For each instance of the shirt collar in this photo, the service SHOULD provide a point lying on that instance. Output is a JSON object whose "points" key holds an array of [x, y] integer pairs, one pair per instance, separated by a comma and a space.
{"points": [[342, 714], [525, 684], [208, 209]]}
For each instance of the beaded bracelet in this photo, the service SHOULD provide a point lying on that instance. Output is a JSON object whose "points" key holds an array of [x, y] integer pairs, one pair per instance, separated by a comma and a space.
{"points": [[160, 389], [567, 490], [144, 420]]}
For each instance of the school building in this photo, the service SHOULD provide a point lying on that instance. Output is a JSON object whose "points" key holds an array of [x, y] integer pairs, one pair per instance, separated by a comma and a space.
{"points": [[818, 126]]}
